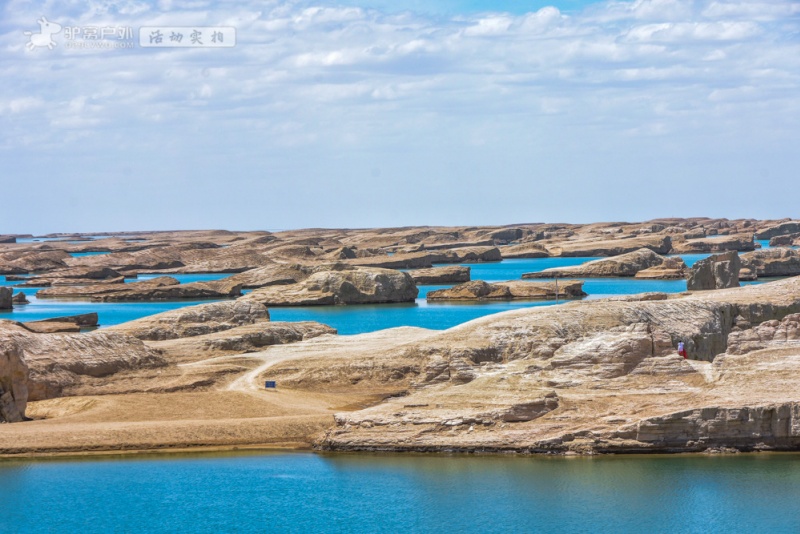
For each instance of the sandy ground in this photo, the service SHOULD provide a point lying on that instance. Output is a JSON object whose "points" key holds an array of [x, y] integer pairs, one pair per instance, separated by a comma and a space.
{"points": [[236, 412]]}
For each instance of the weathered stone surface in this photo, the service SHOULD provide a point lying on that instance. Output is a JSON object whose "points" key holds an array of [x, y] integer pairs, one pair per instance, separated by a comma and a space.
{"points": [[524, 250], [72, 323], [19, 298], [413, 260], [737, 242], [241, 339], [6, 298], [195, 320], [787, 240], [790, 227], [161, 288], [614, 247], [671, 269], [440, 275], [353, 286], [613, 375], [773, 262], [624, 265], [13, 382], [29, 261], [57, 362], [515, 289], [715, 272]]}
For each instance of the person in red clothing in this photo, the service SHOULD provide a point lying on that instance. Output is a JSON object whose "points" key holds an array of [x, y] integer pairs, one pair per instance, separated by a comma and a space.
{"points": [[682, 349]]}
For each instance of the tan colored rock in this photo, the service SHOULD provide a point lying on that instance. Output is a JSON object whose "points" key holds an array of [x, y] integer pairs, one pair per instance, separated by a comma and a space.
{"points": [[720, 271], [13, 382], [195, 320], [161, 288], [440, 275], [240, 339], [59, 362], [353, 286], [672, 269], [511, 290], [737, 242], [524, 250], [624, 265], [615, 247], [29, 261], [785, 228], [773, 262]]}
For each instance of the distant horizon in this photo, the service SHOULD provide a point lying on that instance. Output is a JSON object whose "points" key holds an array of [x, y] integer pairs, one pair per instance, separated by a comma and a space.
{"points": [[111, 233]]}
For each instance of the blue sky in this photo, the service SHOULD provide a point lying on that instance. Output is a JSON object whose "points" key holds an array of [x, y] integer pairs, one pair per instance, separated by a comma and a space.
{"points": [[356, 114]]}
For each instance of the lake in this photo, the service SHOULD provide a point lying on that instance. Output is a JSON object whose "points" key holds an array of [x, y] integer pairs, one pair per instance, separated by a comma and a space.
{"points": [[304, 492]]}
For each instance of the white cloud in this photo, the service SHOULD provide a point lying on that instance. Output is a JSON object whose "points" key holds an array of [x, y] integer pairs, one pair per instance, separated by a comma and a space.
{"points": [[320, 91]]}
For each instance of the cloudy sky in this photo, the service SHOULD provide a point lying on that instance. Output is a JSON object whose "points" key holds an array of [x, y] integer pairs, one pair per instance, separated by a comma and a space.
{"points": [[357, 113]]}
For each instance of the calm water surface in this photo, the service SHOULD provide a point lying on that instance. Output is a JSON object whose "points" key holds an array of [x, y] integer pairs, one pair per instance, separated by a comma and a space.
{"points": [[300, 492], [360, 319]]}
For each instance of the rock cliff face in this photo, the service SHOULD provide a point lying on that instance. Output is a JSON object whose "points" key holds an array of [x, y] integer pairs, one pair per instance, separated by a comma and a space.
{"points": [[715, 272], [440, 275], [624, 265], [352, 286], [13, 382], [512, 290], [585, 377], [773, 262], [790, 227], [195, 320], [161, 288], [615, 247], [6, 298]]}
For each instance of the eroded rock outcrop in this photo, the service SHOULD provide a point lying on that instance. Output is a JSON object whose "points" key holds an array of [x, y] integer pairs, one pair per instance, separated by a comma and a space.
{"points": [[195, 320], [440, 275], [720, 271], [614, 247], [13, 382], [511, 290], [161, 288], [738, 242], [6, 298], [624, 265], [350, 286], [773, 262]]}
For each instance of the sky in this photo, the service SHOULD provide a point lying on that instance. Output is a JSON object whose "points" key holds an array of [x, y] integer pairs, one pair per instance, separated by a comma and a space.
{"points": [[375, 113]]}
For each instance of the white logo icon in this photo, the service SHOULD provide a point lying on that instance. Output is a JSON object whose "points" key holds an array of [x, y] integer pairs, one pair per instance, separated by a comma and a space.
{"points": [[45, 35]]}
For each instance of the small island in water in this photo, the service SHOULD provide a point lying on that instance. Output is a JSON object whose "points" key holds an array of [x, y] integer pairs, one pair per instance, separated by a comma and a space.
{"points": [[197, 358]]}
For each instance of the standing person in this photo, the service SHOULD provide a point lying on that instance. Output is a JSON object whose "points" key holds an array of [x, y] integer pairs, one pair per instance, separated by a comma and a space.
{"points": [[682, 349]]}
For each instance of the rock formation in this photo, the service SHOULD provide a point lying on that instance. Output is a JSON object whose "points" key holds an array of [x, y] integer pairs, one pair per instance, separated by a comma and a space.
{"points": [[671, 269], [161, 288], [72, 323], [13, 383], [195, 320], [615, 247], [784, 228], [6, 298], [738, 242], [624, 265], [512, 290], [351, 286], [440, 275], [773, 262], [715, 272]]}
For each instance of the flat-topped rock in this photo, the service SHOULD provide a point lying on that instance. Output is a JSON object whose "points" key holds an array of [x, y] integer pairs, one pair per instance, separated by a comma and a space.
{"points": [[511, 290], [722, 243], [240, 339], [624, 265], [451, 274], [161, 288], [30, 261], [354, 286], [72, 323], [784, 228], [524, 250], [773, 262], [613, 247], [195, 320], [787, 240], [671, 269]]}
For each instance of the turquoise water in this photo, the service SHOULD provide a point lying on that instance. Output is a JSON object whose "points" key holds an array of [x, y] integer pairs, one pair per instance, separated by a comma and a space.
{"points": [[360, 319], [301, 492], [83, 254]]}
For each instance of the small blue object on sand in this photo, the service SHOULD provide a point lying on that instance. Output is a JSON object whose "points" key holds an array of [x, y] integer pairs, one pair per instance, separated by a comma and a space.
{"points": [[270, 384]]}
